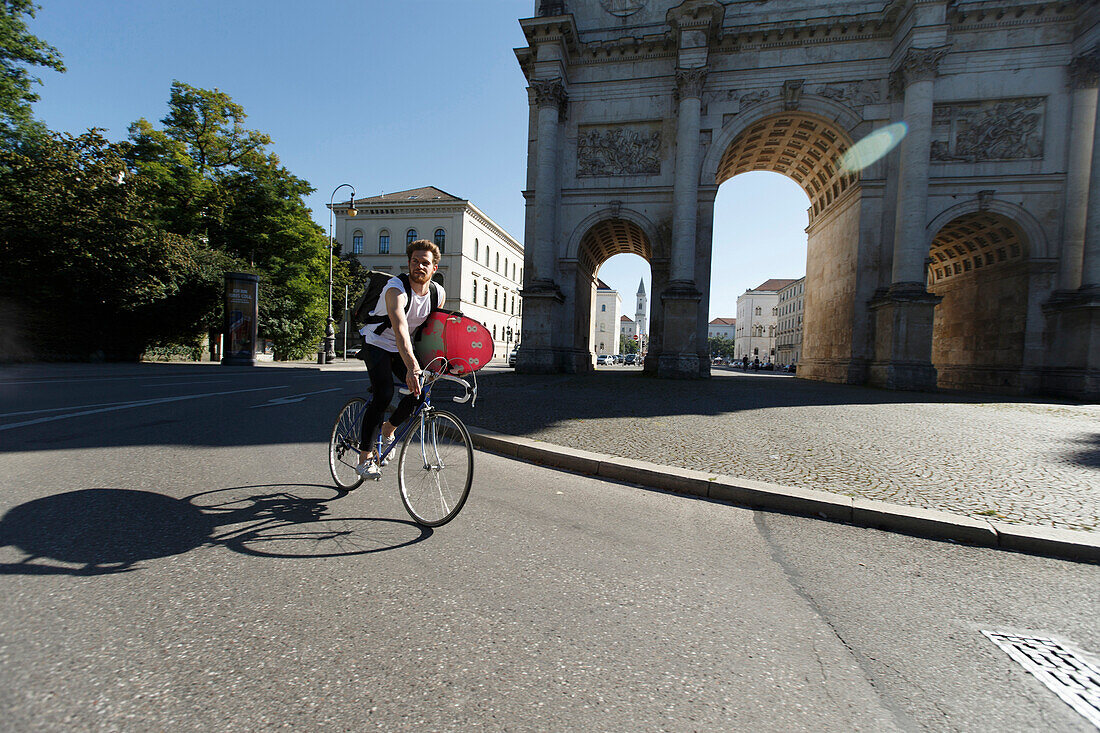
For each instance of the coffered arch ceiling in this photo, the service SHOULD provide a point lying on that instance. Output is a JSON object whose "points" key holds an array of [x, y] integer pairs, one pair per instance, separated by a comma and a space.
{"points": [[803, 147], [972, 243], [612, 237]]}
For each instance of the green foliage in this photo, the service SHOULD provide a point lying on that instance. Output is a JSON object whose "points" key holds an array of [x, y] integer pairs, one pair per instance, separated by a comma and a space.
{"points": [[720, 346], [215, 180], [628, 345], [79, 255], [18, 50]]}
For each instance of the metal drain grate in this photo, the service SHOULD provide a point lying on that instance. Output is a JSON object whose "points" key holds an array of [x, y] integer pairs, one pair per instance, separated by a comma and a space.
{"points": [[1064, 671]]}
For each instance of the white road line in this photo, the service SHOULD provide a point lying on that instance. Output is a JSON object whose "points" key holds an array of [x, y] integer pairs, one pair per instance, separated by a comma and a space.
{"points": [[294, 398], [62, 409], [136, 403], [133, 377], [176, 384]]}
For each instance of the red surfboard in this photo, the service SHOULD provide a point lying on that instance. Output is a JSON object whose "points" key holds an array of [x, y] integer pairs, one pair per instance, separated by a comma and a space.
{"points": [[465, 343]]}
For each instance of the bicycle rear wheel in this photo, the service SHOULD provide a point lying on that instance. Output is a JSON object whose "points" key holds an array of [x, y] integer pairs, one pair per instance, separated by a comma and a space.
{"points": [[343, 446], [436, 468]]}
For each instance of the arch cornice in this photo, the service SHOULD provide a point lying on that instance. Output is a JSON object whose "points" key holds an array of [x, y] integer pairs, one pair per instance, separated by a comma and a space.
{"points": [[842, 117], [1037, 245], [612, 212]]}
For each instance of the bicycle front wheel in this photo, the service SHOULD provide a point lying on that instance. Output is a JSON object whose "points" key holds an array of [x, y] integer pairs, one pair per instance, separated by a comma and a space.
{"points": [[343, 446], [436, 468]]}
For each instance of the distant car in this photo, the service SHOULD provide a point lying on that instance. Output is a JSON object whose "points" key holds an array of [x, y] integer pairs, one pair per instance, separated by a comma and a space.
{"points": [[630, 359], [512, 357], [601, 359], [618, 358]]}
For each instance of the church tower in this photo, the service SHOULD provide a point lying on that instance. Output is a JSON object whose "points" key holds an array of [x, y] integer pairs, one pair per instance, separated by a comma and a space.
{"points": [[639, 314]]}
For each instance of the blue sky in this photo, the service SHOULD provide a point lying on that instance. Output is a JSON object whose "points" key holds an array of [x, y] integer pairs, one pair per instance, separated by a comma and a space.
{"points": [[380, 94]]}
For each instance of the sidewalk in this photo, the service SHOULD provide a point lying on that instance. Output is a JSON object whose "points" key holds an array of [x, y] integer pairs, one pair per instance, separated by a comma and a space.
{"points": [[1013, 461]]}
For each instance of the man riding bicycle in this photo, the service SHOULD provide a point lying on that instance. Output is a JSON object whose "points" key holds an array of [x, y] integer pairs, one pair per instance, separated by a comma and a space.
{"points": [[388, 350]]}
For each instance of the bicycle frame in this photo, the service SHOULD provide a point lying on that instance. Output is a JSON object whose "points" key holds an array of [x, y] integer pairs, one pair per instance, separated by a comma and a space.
{"points": [[423, 409]]}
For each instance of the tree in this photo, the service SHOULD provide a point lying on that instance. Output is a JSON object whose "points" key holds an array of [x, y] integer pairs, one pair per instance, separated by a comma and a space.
{"points": [[215, 180], [87, 269], [629, 345], [720, 346], [18, 50]]}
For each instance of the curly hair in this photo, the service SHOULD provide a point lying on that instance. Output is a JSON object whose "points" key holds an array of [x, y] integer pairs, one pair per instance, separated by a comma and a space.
{"points": [[422, 244]]}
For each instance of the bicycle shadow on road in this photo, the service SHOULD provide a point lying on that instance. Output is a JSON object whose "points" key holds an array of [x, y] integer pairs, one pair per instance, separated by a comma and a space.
{"points": [[104, 531]]}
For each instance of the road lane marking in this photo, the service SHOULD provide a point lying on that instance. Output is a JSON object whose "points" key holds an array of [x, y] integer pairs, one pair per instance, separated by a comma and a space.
{"points": [[294, 398], [176, 384], [135, 403]]}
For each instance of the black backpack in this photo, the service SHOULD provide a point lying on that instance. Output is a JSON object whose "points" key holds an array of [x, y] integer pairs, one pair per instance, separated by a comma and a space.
{"points": [[376, 282]]}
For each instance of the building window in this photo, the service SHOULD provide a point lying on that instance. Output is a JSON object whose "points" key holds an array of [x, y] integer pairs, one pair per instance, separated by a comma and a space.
{"points": [[496, 299], [505, 267], [477, 247], [486, 255], [757, 310], [357, 243], [485, 301], [441, 240], [494, 333], [497, 268], [603, 308], [474, 296], [411, 236], [384, 243]]}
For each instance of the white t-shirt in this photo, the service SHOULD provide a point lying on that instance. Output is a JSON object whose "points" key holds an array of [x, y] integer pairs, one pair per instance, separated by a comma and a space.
{"points": [[418, 312]]}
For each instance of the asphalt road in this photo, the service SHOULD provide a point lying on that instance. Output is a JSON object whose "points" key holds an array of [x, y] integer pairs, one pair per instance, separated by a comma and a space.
{"points": [[173, 557]]}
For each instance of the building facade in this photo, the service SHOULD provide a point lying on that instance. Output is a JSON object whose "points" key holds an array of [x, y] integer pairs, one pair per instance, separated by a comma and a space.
{"points": [[641, 109], [758, 321], [788, 337], [606, 323], [724, 327], [481, 264]]}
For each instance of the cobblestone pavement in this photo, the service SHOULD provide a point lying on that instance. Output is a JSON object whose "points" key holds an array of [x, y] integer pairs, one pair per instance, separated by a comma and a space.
{"points": [[1021, 460]]}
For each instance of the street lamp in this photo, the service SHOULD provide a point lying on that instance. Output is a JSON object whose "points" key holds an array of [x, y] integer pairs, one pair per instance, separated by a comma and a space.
{"points": [[328, 354]]}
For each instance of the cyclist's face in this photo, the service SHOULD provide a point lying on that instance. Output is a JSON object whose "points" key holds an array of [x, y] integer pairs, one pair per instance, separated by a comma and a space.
{"points": [[422, 265]]}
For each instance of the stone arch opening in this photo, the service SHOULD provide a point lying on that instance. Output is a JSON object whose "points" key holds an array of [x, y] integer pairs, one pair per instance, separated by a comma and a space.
{"points": [[603, 240], [977, 264], [801, 146], [808, 149]]}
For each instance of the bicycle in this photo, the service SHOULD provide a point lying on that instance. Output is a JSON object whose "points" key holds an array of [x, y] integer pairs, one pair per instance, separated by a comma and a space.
{"points": [[435, 467]]}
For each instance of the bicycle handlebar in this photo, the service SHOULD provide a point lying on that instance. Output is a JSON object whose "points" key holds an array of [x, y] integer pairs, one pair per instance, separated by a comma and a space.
{"points": [[426, 377]]}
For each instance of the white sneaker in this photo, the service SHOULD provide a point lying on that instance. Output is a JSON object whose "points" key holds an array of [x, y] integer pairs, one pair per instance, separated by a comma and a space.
{"points": [[369, 469], [385, 447]]}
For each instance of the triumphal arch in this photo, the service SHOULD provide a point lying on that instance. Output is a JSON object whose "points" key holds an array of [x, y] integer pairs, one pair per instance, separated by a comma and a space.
{"points": [[947, 148]]}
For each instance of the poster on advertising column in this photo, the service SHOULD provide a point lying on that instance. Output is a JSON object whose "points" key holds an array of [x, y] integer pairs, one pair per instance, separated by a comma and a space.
{"points": [[242, 317]]}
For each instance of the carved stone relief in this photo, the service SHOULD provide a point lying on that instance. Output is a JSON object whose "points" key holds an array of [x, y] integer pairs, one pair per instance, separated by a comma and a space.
{"points": [[632, 149], [998, 129], [852, 93], [753, 97]]}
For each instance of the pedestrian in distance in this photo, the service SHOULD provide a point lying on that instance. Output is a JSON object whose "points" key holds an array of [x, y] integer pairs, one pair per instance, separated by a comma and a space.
{"points": [[388, 348]]}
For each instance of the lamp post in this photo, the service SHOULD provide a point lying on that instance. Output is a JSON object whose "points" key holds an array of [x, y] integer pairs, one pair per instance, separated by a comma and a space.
{"points": [[328, 353]]}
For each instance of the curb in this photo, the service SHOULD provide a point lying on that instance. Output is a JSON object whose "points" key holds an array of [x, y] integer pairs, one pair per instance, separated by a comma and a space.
{"points": [[1060, 543]]}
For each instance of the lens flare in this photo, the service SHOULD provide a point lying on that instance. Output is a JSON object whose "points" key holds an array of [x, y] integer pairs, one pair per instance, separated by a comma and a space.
{"points": [[872, 147]]}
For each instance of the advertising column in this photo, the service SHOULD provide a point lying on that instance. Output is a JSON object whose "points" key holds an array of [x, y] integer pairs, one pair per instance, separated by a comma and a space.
{"points": [[242, 317]]}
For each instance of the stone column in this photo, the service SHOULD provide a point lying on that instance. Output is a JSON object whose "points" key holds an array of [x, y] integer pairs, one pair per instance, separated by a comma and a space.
{"points": [[680, 301], [918, 73], [542, 298], [903, 313], [1083, 77], [550, 98], [685, 187], [1090, 261]]}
